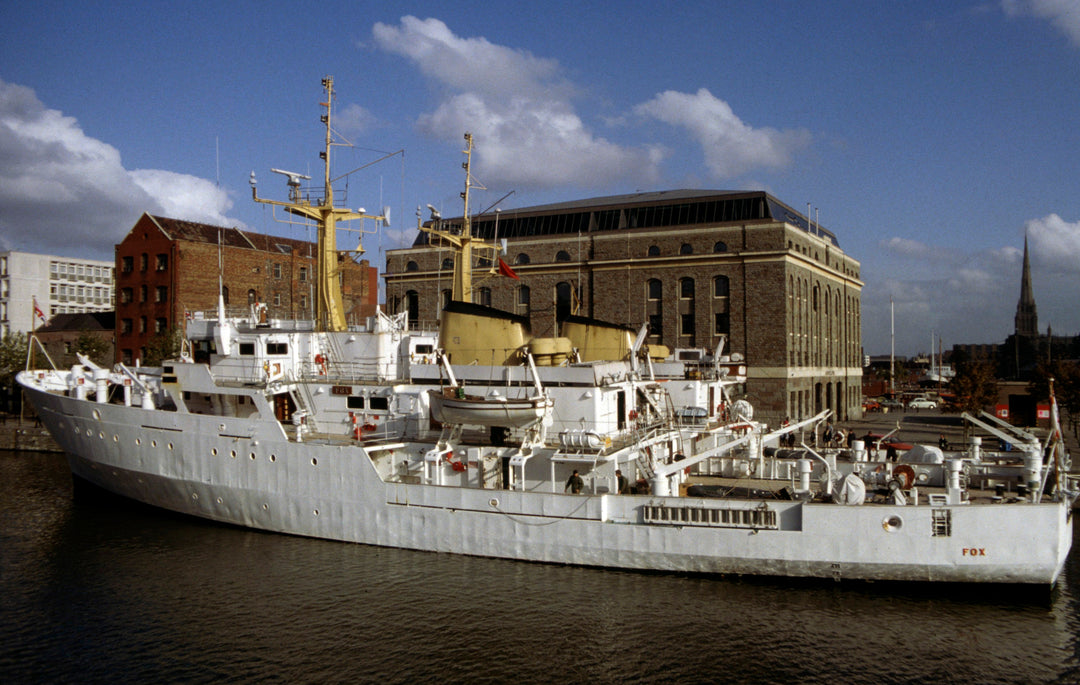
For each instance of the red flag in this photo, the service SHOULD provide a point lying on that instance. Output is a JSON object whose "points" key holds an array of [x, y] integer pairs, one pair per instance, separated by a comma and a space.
{"points": [[505, 270], [37, 311]]}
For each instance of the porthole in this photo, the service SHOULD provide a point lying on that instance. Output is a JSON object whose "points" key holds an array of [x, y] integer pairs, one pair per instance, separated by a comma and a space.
{"points": [[153, 443], [138, 441], [213, 451], [893, 523], [266, 507], [97, 415], [273, 458], [232, 453], [101, 436], [314, 462], [252, 456], [219, 500], [115, 438], [170, 447], [316, 512], [195, 496]]}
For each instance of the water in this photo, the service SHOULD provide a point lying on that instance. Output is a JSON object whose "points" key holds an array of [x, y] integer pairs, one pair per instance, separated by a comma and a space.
{"points": [[96, 590]]}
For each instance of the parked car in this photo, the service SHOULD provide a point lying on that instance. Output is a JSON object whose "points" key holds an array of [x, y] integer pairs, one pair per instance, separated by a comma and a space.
{"points": [[891, 405], [869, 405], [922, 404]]}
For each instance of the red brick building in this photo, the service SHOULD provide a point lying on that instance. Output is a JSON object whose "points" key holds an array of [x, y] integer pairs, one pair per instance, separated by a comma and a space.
{"points": [[166, 268]]}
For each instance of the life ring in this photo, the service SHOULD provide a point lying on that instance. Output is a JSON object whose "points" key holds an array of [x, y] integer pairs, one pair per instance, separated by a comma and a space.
{"points": [[458, 465], [321, 361], [369, 426], [633, 414]]}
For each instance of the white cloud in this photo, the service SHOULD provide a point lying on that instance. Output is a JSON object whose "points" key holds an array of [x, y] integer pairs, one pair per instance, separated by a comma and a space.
{"points": [[518, 108], [354, 120], [1055, 244], [731, 147], [1063, 14], [63, 191]]}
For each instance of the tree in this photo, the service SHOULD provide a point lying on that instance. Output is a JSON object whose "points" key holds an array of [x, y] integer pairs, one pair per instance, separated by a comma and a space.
{"points": [[95, 348], [975, 385], [1066, 377], [12, 360], [164, 345]]}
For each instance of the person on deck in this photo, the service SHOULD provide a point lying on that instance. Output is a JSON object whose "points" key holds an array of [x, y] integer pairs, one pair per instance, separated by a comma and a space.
{"points": [[621, 483], [574, 483]]}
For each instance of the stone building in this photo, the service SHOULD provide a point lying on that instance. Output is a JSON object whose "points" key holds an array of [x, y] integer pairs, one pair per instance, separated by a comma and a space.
{"points": [[694, 265], [167, 268]]}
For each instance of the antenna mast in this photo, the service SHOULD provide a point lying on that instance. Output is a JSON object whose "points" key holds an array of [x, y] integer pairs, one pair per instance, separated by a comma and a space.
{"points": [[329, 307]]}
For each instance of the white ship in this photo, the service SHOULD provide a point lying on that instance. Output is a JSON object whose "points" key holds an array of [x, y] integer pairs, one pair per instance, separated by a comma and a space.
{"points": [[386, 436]]}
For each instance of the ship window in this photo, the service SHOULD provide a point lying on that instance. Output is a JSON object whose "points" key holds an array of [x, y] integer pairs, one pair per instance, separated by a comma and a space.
{"points": [[354, 402], [247, 349], [277, 348], [380, 403]]}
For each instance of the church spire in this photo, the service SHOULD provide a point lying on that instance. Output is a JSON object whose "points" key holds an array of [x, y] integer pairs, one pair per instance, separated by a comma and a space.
{"points": [[1027, 319]]}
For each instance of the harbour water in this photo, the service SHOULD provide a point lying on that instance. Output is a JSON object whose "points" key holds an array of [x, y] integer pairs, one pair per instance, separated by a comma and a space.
{"points": [[98, 590]]}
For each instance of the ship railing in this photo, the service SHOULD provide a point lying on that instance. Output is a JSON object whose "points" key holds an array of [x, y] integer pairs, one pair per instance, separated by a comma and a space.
{"points": [[350, 371]]}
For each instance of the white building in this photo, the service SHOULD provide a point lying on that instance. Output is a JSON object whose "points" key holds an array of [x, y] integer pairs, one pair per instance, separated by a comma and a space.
{"points": [[61, 285]]}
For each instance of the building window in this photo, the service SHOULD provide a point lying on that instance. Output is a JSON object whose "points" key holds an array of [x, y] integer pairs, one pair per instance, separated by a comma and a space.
{"points": [[446, 295], [562, 256], [654, 310], [485, 297], [303, 302], [276, 269], [412, 306], [412, 266], [654, 251], [126, 295], [720, 246], [448, 263], [225, 294], [721, 323], [522, 258], [125, 326], [142, 293], [303, 274], [564, 295], [161, 325], [161, 293], [721, 317], [142, 324], [144, 261], [687, 325], [127, 265], [162, 262], [686, 288], [686, 248], [252, 297], [277, 299], [523, 297]]}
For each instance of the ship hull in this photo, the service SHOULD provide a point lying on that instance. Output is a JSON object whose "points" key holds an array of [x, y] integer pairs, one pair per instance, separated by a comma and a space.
{"points": [[247, 472]]}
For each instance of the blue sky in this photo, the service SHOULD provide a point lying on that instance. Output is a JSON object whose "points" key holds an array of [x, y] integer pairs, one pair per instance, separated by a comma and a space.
{"points": [[931, 137]]}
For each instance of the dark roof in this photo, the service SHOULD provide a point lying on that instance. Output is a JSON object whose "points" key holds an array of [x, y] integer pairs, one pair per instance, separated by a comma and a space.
{"points": [[655, 209], [191, 231], [88, 321]]}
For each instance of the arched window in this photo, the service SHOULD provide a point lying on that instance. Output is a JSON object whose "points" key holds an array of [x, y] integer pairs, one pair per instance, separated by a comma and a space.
{"points": [[686, 288], [655, 289], [412, 305], [484, 297], [446, 295], [721, 286], [562, 256], [687, 314], [721, 246], [448, 263], [654, 251], [686, 248], [522, 258], [563, 301], [412, 266]]}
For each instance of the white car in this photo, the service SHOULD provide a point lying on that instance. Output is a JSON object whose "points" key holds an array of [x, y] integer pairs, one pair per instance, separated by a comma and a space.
{"points": [[922, 404]]}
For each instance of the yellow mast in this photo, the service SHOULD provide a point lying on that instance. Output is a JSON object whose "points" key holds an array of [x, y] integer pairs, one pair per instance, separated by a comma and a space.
{"points": [[464, 244], [329, 308]]}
